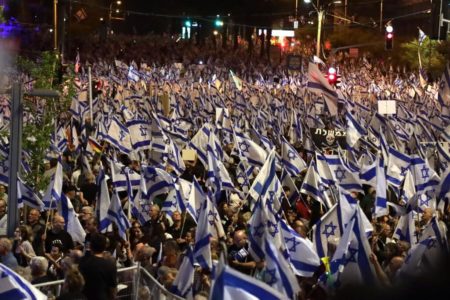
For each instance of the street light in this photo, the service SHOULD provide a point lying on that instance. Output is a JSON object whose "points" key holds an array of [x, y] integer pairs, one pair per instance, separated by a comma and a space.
{"points": [[117, 10], [320, 14]]}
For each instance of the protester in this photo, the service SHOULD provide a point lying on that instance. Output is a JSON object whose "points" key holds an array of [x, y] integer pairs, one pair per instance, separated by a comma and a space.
{"points": [[100, 273], [6, 255], [295, 179]]}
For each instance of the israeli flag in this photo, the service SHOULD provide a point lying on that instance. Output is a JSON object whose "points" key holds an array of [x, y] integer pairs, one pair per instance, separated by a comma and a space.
{"points": [[381, 208], [54, 190], [103, 202], [184, 281], [13, 286], [312, 184], [249, 150], [292, 161], [116, 215], [73, 225], [217, 177], [207, 218], [425, 178], [140, 134], [354, 130], [25, 195], [154, 182], [119, 136], [398, 164], [231, 284], [278, 272], [350, 263], [406, 228], [300, 252]]}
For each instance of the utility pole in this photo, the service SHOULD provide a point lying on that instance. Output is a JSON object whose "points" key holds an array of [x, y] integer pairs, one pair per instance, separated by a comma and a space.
{"points": [[319, 31], [55, 25], [381, 16]]}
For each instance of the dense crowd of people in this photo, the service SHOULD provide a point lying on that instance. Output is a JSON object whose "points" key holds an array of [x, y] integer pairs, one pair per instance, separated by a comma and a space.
{"points": [[243, 117]]}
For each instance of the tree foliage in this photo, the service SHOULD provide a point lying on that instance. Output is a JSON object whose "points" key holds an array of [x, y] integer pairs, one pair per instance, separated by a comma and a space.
{"points": [[432, 55], [43, 114]]}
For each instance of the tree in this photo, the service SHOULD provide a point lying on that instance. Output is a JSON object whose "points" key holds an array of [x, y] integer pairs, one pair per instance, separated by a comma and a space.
{"points": [[44, 113], [433, 55]]}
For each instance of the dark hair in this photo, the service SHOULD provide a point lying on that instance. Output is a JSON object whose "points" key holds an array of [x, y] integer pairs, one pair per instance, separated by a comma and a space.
{"points": [[68, 188], [98, 243]]}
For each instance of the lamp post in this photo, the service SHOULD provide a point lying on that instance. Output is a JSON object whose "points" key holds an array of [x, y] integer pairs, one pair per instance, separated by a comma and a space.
{"points": [[118, 3], [320, 15], [55, 25], [381, 16]]}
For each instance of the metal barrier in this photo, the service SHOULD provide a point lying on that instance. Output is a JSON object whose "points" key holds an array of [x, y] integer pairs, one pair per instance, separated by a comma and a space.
{"points": [[130, 285]]}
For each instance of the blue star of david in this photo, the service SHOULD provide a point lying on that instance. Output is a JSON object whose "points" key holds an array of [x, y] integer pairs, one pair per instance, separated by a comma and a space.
{"points": [[403, 170], [121, 135], [143, 131], [243, 146], [329, 229], [294, 243], [270, 199], [291, 154], [145, 206], [197, 211], [271, 276], [339, 174], [444, 165], [352, 255], [425, 171], [174, 203], [442, 84], [150, 176], [425, 200], [258, 231], [211, 217], [273, 228], [240, 179]]}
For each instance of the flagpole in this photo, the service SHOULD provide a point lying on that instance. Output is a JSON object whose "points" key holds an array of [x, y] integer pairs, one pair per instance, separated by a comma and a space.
{"points": [[90, 94], [182, 227]]}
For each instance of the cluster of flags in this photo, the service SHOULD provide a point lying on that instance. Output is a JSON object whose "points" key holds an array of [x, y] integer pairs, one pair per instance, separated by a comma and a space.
{"points": [[394, 153]]}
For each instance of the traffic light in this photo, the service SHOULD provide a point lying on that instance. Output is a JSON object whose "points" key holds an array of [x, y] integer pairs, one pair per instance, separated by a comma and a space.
{"points": [[218, 22], [389, 37], [187, 23], [332, 76]]}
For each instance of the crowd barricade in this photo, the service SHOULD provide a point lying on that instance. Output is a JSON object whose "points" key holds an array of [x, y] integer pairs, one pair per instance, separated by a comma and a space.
{"points": [[132, 283]]}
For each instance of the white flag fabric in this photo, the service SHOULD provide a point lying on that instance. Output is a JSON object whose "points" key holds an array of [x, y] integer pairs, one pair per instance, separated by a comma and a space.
{"points": [[231, 284], [54, 190], [13, 286], [318, 84], [73, 225]]}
